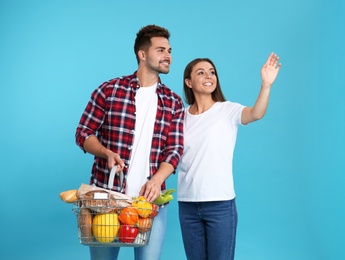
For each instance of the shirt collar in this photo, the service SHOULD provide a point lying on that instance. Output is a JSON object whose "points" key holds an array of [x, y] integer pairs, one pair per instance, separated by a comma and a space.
{"points": [[135, 81]]}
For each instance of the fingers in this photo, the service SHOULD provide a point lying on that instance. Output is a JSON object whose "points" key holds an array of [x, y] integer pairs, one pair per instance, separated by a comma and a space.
{"points": [[273, 60], [150, 191], [115, 159], [151, 194], [119, 161], [142, 191], [270, 57]]}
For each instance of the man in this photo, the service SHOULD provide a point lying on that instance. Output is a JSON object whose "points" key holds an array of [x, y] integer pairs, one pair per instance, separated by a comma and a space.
{"points": [[135, 123]]}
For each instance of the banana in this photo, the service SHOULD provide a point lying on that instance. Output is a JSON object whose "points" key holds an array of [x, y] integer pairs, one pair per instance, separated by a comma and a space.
{"points": [[164, 197], [69, 196]]}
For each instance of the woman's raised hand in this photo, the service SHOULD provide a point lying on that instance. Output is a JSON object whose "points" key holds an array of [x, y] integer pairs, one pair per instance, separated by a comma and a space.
{"points": [[270, 69]]}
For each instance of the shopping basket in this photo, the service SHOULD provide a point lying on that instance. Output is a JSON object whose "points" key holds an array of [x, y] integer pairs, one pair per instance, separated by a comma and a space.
{"points": [[108, 222]]}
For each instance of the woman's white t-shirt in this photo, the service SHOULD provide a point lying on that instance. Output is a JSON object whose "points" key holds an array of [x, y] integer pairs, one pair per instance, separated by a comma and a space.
{"points": [[205, 169]]}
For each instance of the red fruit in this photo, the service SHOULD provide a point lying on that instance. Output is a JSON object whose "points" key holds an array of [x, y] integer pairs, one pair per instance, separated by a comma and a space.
{"points": [[127, 233]]}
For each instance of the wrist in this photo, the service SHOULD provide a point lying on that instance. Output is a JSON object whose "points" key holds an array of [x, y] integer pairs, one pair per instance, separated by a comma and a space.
{"points": [[106, 153], [265, 85], [157, 178]]}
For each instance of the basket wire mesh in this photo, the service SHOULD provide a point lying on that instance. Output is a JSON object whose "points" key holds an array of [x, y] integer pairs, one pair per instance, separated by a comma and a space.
{"points": [[99, 224]]}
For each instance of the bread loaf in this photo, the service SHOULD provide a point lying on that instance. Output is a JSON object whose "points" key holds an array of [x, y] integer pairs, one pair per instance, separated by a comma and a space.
{"points": [[85, 225], [69, 196], [100, 201]]}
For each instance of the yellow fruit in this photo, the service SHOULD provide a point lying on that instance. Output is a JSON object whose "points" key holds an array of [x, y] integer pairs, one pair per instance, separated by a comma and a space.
{"points": [[105, 227], [143, 207]]}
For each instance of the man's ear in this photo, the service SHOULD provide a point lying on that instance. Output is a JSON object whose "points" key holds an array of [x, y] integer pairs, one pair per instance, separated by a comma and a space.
{"points": [[141, 54]]}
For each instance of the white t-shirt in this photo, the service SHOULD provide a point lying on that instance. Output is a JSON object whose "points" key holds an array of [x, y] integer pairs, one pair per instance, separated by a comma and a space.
{"points": [[139, 169], [205, 169]]}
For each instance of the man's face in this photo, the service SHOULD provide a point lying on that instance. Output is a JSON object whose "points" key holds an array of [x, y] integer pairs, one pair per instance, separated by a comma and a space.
{"points": [[158, 56]]}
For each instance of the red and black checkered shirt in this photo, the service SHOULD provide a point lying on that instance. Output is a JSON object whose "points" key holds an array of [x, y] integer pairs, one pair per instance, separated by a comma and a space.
{"points": [[110, 115]]}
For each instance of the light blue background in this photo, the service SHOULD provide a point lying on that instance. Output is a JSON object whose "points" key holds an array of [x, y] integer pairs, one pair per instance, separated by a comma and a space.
{"points": [[289, 167]]}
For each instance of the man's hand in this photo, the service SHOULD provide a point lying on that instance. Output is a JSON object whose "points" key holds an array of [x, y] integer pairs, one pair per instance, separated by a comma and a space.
{"points": [[151, 190], [115, 159]]}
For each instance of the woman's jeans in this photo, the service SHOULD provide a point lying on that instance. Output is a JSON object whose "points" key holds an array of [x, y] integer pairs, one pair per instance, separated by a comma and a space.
{"points": [[150, 252], [209, 229]]}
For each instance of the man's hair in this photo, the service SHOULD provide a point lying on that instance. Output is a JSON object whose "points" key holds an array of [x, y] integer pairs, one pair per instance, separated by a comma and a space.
{"points": [[143, 40], [217, 94]]}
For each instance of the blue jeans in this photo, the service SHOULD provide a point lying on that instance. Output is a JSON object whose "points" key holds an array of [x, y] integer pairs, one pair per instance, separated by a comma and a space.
{"points": [[208, 229], [150, 252]]}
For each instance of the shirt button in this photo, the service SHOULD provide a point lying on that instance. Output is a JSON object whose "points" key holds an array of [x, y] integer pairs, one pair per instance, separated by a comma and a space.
{"points": [[129, 147]]}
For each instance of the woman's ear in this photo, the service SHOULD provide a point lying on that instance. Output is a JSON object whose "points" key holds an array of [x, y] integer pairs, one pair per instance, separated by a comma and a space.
{"points": [[188, 83]]}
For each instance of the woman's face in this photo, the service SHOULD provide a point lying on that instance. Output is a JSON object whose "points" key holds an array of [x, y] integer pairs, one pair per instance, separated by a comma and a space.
{"points": [[203, 79]]}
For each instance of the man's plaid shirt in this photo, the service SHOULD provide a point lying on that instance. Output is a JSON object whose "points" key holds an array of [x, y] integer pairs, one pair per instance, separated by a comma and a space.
{"points": [[110, 115]]}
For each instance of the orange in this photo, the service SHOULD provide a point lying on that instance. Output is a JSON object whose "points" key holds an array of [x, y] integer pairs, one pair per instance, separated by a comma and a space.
{"points": [[129, 216]]}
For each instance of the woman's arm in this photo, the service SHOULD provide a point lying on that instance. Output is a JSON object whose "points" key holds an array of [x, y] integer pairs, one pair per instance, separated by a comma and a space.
{"points": [[269, 72]]}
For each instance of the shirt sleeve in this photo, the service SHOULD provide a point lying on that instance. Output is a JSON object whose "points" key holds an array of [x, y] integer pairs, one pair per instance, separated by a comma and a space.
{"points": [[234, 112], [174, 144], [92, 117]]}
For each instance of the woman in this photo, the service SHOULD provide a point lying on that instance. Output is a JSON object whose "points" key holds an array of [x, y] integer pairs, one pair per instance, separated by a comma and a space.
{"points": [[206, 195]]}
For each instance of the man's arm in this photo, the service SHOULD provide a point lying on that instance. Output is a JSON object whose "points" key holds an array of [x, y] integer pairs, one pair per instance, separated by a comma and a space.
{"points": [[152, 188], [93, 146]]}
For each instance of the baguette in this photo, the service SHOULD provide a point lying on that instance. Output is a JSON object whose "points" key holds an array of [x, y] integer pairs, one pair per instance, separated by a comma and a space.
{"points": [[69, 196]]}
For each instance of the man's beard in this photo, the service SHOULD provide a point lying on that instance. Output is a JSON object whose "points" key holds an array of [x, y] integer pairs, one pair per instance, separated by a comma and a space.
{"points": [[159, 69]]}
